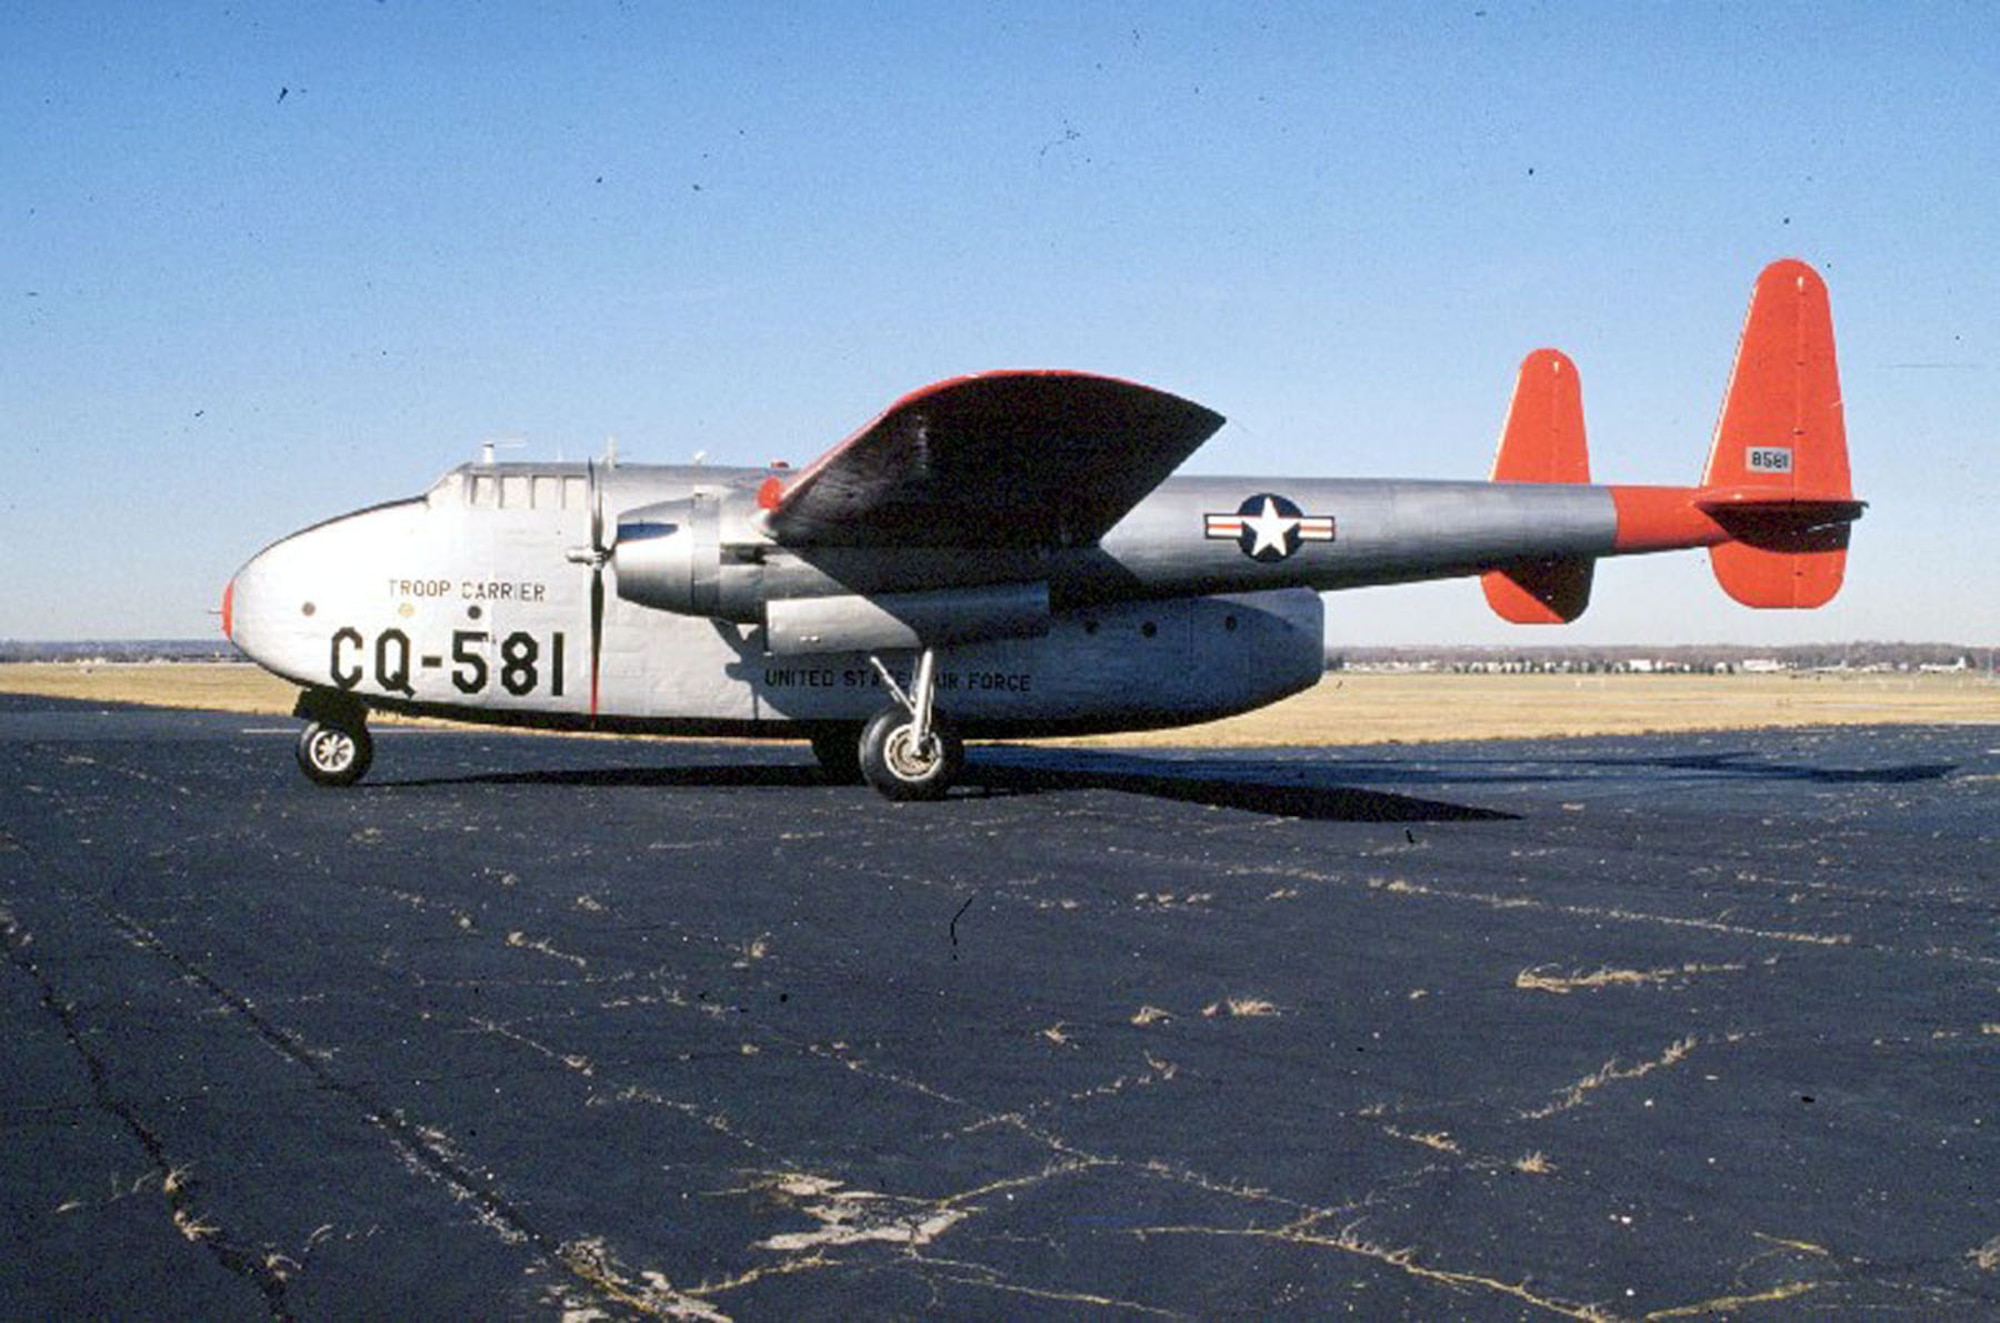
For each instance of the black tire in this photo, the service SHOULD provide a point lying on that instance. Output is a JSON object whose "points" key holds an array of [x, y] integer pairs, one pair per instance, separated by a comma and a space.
{"points": [[893, 765], [838, 750], [335, 754]]}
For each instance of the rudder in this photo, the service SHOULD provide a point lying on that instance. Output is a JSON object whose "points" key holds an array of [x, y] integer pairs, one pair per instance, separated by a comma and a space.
{"points": [[1777, 477], [1542, 441]]}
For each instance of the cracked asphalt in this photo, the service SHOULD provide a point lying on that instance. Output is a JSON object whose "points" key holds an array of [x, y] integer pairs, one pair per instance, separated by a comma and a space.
{"points": [[1672, 1027]]}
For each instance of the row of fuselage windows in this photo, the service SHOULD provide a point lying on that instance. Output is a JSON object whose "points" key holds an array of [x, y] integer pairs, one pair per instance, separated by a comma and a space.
{"points": [[528, 491]]}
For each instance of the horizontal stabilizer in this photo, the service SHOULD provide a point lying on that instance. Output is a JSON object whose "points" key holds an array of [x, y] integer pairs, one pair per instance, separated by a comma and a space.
{"points": [[1763, 522]]}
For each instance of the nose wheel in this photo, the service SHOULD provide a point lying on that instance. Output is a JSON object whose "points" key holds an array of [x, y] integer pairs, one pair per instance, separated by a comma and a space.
{"points": [[335, 748], [909, 751]]}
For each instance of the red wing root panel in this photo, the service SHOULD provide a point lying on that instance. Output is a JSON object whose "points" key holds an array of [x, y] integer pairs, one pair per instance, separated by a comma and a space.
{"points": [[1012, 459]]}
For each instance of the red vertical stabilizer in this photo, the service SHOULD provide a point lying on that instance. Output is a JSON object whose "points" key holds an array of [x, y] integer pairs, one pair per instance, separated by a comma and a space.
{"points": [[1777, 477], [1543, 441]]}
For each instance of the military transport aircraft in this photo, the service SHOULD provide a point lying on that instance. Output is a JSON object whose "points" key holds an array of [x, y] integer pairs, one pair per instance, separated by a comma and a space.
{"points": [[998, 555]]}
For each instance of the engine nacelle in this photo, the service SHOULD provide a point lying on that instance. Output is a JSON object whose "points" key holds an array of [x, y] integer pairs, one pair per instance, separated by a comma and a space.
{"points": [[669, 557], [844, 622]]}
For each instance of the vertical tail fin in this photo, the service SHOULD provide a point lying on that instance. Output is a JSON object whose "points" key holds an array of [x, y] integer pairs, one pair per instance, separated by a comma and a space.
{"points": [[1543, 441], [1777, 477]]}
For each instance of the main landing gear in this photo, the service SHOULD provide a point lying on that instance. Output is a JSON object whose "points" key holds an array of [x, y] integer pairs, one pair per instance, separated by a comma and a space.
{"points": [[335, 748], [909, 751]]}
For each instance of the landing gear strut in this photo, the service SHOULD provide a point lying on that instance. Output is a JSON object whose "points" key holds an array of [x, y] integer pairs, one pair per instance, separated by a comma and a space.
{"points": [[909, 751], [335, 748]]}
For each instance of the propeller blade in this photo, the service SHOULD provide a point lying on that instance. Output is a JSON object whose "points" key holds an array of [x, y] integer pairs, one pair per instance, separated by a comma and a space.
{"points": [[596, 631], [599, 553], [595, 555], [597, 514]]}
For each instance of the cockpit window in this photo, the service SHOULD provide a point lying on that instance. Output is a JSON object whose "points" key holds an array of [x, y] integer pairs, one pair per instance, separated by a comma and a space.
{"points": [[488, 489]]}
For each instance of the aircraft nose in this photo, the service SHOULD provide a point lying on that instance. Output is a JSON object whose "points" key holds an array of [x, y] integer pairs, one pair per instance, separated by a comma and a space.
{"points": [[286, 604], [246, 606], [267, 607]]}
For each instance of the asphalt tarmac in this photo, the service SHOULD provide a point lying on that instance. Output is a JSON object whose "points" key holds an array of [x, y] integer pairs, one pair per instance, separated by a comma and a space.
{"points": [[1673, 1027]]}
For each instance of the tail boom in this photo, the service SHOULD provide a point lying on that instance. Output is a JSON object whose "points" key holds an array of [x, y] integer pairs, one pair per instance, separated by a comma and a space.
{"points": [[1676, 518]]}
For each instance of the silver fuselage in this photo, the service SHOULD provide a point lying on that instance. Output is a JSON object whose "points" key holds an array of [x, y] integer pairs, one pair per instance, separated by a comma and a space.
{"points": [[477, 600]]}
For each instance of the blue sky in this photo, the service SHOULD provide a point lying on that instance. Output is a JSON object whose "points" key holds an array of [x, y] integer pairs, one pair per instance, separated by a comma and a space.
{"points": [[266, 263]]}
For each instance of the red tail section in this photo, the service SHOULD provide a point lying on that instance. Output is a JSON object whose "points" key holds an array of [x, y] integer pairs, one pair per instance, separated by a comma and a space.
{"points": [[1777, 477], [1543, 441]]}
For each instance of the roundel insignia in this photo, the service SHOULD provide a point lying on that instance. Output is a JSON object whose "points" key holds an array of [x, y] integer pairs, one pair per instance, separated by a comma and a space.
{"points": [[1268, 527]]}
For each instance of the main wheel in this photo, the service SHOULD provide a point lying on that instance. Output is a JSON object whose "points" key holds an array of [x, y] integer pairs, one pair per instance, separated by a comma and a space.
{"points": [[334, 754], [838, 751], [896, 764]]}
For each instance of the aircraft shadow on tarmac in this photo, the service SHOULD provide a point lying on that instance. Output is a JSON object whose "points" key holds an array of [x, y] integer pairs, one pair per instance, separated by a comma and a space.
{"points": [[1276, 788], [704, 776], [1281, 789], [1545, 763], [1732, 763]]}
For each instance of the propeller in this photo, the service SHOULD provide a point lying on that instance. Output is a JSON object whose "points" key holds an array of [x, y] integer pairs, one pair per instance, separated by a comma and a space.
{"points": [[595, 555]]}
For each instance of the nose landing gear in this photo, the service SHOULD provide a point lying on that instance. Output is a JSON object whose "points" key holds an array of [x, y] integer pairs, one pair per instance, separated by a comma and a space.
{"points": [[335, 748]]}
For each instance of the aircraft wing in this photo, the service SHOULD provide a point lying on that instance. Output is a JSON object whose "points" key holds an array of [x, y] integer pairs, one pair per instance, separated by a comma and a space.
{"points": [[1002, 459]]}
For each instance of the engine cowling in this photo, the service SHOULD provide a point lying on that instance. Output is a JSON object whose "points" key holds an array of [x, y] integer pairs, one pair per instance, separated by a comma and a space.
{"points": [[885, 621], [668, 556]]}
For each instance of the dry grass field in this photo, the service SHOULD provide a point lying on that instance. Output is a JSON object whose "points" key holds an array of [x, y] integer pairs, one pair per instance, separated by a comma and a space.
{"points": [[236, 687], [1345, 708], [1376, 708]]}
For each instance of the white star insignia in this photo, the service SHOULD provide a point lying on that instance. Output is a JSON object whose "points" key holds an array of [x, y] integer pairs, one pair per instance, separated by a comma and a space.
{"points": [[1270, 528]]}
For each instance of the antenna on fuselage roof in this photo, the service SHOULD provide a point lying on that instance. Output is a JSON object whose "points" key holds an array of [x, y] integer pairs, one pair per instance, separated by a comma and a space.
{"points": [[610, 452]]}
